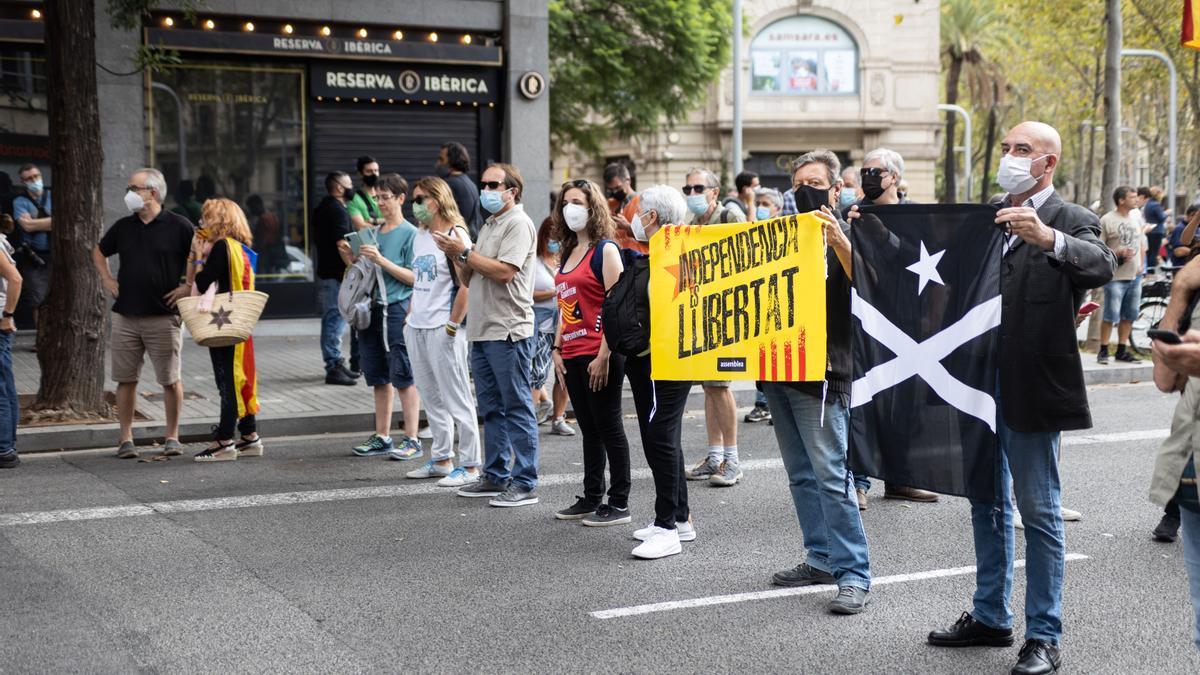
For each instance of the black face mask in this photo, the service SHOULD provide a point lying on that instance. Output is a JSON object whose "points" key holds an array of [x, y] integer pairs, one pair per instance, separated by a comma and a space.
{"points": [[809, 198], [348, 194], [872, 187], [617, 194], [370, 179]]}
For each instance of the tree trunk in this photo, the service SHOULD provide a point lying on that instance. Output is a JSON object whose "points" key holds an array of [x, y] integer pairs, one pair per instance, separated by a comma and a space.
{"points": [[949, 172], [71, 327], [1090, 168], [989, 143]]}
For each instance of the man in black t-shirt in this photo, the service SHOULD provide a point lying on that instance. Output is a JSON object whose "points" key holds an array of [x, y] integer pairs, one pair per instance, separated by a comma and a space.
{"points": [[331, 224], [153, 245], [454, 167]]}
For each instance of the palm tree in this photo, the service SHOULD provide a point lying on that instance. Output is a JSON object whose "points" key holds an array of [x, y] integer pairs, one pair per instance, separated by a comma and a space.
{"points": [[970, 29]]}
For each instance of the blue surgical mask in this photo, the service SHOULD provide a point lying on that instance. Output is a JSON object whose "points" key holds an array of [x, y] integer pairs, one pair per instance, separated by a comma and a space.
{"points": [[491, 200], [35, 186], [762, 213], [697, 204], [847, 198], [553, 246]]}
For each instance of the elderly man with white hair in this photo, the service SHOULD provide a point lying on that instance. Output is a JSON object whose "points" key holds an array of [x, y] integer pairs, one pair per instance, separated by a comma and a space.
{"points": [[660, 403], [153, 244]]}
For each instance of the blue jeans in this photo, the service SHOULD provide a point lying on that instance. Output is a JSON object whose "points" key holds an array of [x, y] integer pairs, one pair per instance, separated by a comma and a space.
{"points": [[1190, 520], [9, 410], [814, 455], [502, 391], [1030, 461], [332, 323]]}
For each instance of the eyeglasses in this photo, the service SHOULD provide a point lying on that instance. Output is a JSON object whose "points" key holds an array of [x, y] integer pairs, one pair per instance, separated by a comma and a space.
{"points": [[874, 172], [384, 196], [580, 183], [697, 189], [490, 184]]}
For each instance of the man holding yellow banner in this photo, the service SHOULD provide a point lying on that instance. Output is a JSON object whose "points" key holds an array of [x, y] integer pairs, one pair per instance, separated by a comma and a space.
{"points": [[770, 301]]}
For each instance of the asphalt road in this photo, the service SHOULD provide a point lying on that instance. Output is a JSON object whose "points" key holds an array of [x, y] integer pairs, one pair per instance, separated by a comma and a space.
{"points": [[362, 570]]}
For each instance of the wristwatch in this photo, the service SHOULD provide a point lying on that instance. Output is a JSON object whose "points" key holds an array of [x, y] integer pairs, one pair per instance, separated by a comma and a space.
{"points": [[7, 315], [462, 257]]}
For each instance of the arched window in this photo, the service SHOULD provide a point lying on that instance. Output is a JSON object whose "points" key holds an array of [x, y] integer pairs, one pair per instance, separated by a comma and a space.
{"points": [[803, 56]]}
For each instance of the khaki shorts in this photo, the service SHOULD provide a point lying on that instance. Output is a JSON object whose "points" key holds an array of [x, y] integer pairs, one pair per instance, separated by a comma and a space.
{"points": [[717, 383], [135, 336]]}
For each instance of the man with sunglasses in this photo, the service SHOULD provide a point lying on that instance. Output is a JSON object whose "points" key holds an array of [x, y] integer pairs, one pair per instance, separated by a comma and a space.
{"points": [[499, 270], [721, 466], [153, 245]]}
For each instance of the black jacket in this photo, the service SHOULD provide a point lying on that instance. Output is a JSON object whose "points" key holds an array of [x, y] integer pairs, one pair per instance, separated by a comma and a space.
{"points": [[1041, 376], [331, 223]]}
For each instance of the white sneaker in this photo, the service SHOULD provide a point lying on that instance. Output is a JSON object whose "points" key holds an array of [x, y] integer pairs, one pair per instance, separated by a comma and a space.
{"points": [[560, 427], [1017, 522], [424, 433], [661, 545], [1070, 515], [458, 478], [430, 469], [687, 531]]}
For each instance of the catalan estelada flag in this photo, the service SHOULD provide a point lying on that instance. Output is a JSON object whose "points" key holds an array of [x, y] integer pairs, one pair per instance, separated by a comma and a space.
{"points": [[242, 260], [1190, 34]]}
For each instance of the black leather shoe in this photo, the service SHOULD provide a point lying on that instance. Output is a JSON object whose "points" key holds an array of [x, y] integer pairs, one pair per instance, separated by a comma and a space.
{"points": [[1168, 529], [1038, 657], [338, 376], [967, 632]]}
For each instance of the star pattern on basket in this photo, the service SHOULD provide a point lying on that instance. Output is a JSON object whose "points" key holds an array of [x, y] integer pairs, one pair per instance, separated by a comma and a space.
{"points": [[220, 317]]}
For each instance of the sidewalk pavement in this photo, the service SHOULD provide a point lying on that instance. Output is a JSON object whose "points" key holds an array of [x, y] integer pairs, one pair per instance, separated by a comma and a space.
{"points": [[292, 392]]}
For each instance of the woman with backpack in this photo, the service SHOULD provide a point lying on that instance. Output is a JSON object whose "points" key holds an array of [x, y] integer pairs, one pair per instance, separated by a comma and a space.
{"points": [[591, 264], [224, 258], [659, 403], [437, 348]]}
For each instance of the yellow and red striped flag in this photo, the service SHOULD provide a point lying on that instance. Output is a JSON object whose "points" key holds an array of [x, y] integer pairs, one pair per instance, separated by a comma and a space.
{"points": [[1190, 33]]}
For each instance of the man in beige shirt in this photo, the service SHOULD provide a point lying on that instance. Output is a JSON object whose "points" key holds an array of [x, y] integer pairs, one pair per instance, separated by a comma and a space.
{"points": [[1121, 230], [498, 269]]}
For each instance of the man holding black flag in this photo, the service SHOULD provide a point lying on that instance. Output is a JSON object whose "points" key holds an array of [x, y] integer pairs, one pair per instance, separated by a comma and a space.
{"points": [[1052, 256]]}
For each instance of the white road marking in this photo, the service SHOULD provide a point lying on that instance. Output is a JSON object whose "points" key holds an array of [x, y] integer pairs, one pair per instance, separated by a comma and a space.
{"points": [[405, 489], [637, 610]]}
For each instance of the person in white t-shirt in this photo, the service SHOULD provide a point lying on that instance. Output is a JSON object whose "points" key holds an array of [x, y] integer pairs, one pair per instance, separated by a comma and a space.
{"points": [[436, 346]]}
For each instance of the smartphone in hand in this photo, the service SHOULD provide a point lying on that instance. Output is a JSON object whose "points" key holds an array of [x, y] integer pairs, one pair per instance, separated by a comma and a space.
{"points": [[1168, 336], [1088, 308]]}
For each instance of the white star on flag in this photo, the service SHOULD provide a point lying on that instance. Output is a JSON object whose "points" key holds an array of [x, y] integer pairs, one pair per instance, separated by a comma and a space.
{"points": [[926, 268]]}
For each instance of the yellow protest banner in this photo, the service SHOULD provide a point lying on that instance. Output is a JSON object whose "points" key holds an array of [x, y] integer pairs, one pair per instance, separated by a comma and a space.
{"points": [[744, 301]]}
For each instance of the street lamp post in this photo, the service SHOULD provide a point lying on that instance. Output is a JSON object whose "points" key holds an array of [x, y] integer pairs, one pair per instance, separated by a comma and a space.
{"points": [[1171, 121], [966, 149], [737, 87]]}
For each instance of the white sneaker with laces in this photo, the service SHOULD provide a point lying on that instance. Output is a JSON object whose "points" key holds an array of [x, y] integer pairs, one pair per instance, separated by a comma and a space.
{"points": [[560, 427], [430, 469], [661, 545], [687, 531], [424, 433], [458, 478]]}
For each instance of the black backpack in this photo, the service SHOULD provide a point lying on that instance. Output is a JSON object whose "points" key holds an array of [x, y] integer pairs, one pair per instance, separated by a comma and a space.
{"points": [[626, 311]]}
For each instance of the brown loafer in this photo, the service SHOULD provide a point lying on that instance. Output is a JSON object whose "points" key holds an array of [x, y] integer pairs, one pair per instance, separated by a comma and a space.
{"points": [[862, 498], [908, 494]]}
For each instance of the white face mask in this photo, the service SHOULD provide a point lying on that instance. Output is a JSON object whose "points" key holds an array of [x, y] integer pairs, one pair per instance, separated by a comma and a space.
{"points": [[576, 216], [134, 201], [639, 230], [1014, 175]]}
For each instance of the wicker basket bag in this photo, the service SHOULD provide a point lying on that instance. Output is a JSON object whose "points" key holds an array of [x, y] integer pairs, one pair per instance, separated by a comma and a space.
{"points": [[226, 319]]}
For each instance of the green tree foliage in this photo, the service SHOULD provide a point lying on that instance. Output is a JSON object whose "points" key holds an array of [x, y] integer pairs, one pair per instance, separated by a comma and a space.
{"points": [[626, 66]]}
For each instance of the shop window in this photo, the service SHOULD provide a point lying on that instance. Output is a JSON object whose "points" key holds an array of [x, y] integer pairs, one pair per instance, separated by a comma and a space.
{"points": [[238, 132], [803, 56]]}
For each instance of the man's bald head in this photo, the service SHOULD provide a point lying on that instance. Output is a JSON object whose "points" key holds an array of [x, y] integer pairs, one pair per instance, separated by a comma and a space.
{"points": [[1041, 145], [1042, 137]]}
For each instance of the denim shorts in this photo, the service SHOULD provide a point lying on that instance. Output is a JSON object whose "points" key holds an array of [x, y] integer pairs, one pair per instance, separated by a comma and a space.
{"points": [[1121, 300], [379, 365]]}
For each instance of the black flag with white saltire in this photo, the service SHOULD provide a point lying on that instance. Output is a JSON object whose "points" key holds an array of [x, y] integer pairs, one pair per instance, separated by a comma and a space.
{"points": [[926, 316]]}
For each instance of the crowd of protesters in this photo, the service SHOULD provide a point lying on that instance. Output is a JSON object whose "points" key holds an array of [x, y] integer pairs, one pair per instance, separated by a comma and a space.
{"points": [[473, 313]]}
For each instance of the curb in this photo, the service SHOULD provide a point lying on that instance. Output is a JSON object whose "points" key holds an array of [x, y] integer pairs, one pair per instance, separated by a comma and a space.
{"points": [[1131, 374]]}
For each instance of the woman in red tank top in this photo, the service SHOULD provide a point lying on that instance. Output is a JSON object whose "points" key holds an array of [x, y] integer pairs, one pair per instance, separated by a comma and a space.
{"points": [[591, 264]]}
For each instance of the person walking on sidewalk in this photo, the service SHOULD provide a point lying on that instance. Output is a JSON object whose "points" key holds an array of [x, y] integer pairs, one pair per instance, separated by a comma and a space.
{"points": [[659, 403], [812, 419], [10, 293], [594, 375], [331, 224], [499, 271], [382, 349], [223, 256], [1122, 233], [437, 341], [549, 407], [153, 244]]}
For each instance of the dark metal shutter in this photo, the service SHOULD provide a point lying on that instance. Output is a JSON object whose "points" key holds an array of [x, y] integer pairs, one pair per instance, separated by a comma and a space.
{"points": [[403, 138]]}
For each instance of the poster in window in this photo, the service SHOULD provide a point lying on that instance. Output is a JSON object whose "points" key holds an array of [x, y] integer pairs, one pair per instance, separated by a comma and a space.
{"points": [[764, 75], [802, 72], [839, 71]]}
